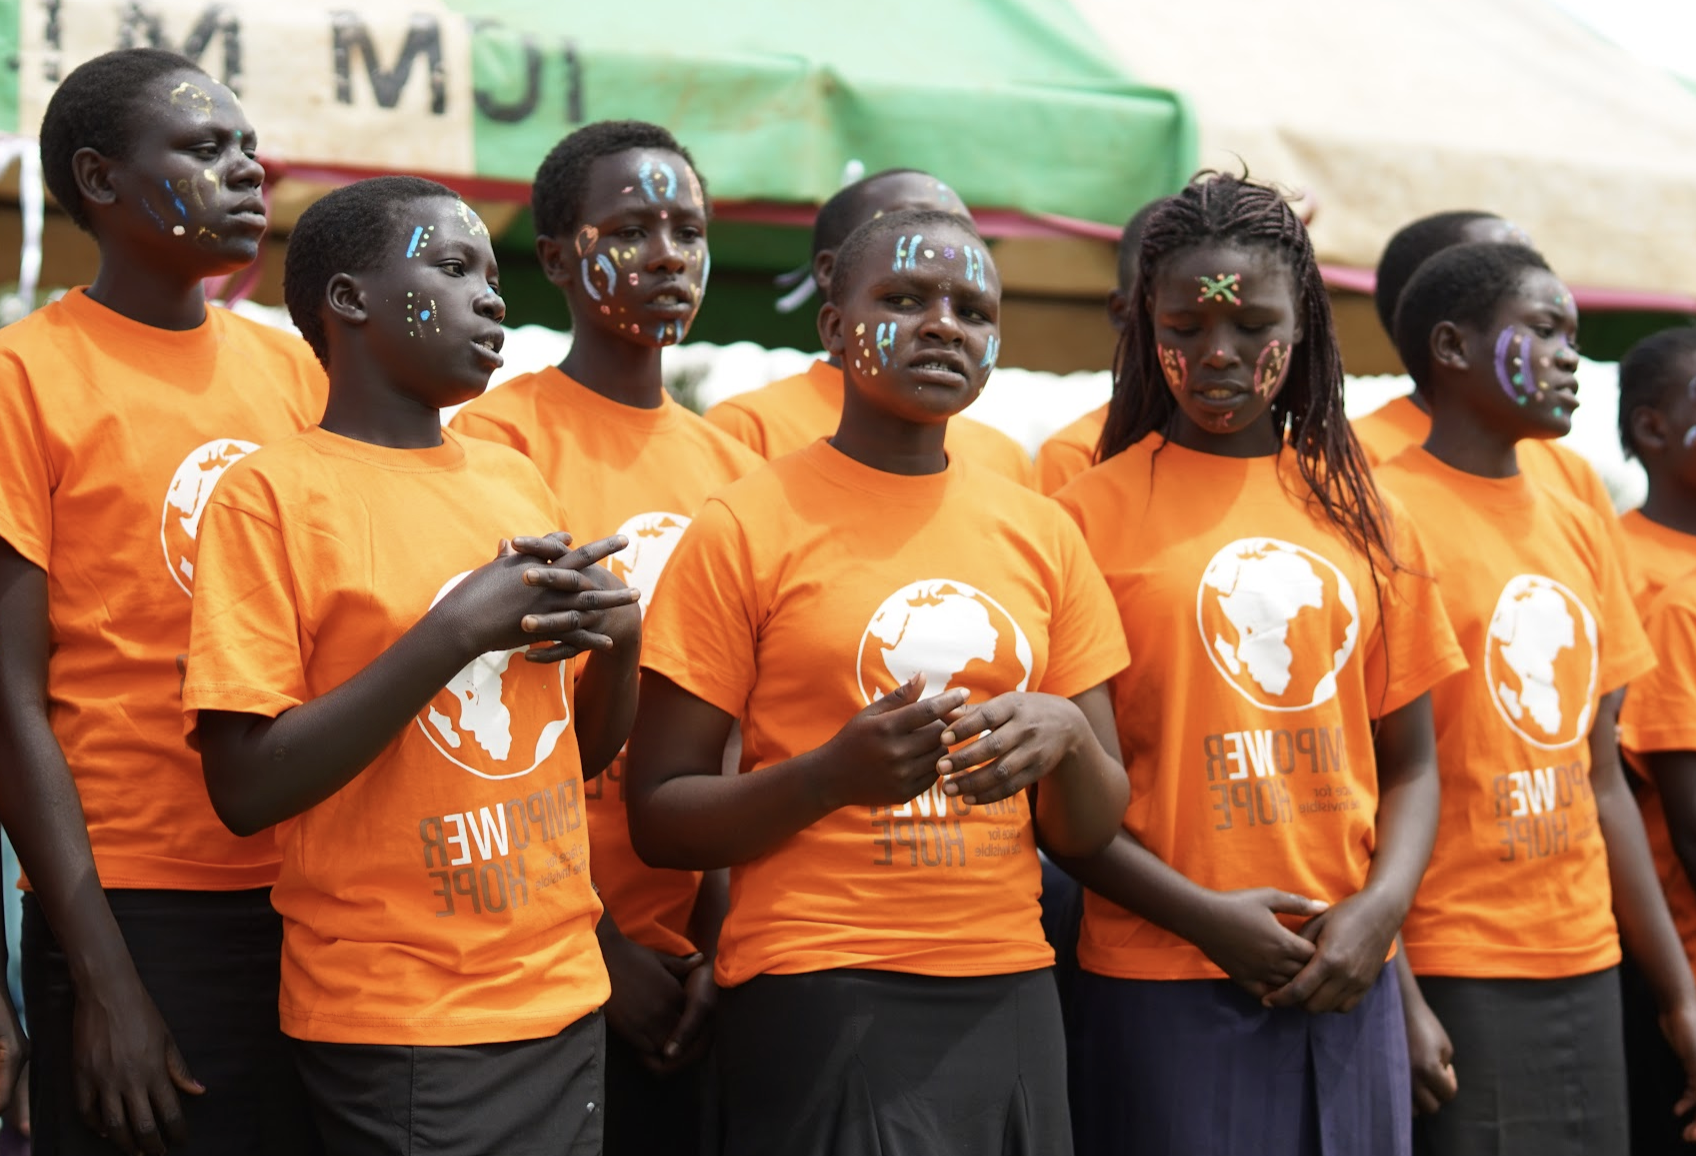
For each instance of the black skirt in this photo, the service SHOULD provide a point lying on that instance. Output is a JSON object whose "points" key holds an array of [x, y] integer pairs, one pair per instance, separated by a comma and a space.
{"points": [[876, 1063], [1540, 1064]]}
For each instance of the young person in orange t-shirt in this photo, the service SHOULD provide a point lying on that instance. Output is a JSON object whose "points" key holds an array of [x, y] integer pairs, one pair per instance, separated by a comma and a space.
{"points": [[862, 606], [360, 674], [1276, 727], [1541, 867], [1657, 412], [1657, 733], [783, 416], [602, 429], [1070, 450], [149, 942], [1406, 421]]}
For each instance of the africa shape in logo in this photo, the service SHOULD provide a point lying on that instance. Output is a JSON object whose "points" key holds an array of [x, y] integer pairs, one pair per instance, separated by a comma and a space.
{"points": [[185, 502], [958, 635], [1278, 621], [1541, 661], [500, 717], [652, 537]]}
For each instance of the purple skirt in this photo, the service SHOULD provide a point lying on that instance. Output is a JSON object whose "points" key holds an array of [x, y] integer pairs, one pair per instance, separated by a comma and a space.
{"points": [[1187, 1066]]}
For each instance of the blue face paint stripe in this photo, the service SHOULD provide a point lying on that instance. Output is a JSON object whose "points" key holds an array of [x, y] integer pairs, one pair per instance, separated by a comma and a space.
{"points": [[670, 180], [588, 282], [885, 340], [412, 246], [646, 172], [607, 268], [176, 200], [991, 351]]}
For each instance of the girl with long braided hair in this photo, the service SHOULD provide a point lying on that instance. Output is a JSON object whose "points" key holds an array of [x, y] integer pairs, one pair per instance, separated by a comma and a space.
{"points": [[1275, 722]]}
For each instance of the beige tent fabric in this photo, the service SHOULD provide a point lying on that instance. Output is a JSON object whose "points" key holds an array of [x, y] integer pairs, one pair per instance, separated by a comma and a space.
{"points": [[1386, 110]]}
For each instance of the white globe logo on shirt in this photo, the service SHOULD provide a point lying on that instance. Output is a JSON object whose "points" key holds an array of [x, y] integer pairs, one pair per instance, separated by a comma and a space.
{"points": [[185, 502], [1278, 621], [471, 721], [653, 537], [958, 635], [1541, 661]]}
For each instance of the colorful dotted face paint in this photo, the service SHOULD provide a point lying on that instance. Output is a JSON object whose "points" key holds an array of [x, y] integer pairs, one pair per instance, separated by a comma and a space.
{"points": [[1173, 365], [473, 223], [420, 315], [1512, 374], [1222, 288], [421, 235], [651, 173], [1270, 367]]}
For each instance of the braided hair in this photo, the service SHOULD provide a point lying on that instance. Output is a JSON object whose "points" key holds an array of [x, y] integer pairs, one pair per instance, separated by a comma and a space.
{"points": [[1219, 208]]}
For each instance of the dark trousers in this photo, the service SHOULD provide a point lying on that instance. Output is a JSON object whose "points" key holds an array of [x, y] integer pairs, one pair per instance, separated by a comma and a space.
{"points": [[524, 1098], [211, 962]]}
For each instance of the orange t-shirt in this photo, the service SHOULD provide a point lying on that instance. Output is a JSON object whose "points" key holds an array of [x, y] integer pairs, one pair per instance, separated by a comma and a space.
{"points": [[642, 473], [1069, 451], [1518, 884], [1658, 555], [442, 897], [1660, 715], [112, 434], [782, 417], [810, 589], [1262, 649]]}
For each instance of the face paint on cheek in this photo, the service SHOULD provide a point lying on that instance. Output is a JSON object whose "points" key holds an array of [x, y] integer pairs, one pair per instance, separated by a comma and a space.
{"points": [[1222, 288], [420, 315], [182, 210], [885, 341], [1173, 365], [586, 238], [1513, 384], [1690, 437], [1270, 367], [991, 351]]}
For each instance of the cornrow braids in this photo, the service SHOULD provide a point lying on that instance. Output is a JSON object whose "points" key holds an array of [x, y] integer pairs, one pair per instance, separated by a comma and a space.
{"points": [[1219, 208]]}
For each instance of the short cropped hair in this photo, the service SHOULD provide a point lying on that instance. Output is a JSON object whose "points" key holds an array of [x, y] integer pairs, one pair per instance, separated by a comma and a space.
{"points": [[1412, 246], [345, 231], [1646, 376], [846, 210], [97, 107], [562, 181], [1463, 284]]}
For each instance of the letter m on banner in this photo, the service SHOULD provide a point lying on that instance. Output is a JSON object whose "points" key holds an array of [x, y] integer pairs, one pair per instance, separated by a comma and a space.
{"points": [[352, 37]]}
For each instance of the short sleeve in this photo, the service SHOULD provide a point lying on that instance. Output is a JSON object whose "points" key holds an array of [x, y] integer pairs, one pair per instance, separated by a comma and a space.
{"points": [[245, 645], [702, 626], [1086, 639], [26, 473], [1415, 647], [1626, 652], [739, 424], [1660, 708]]}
